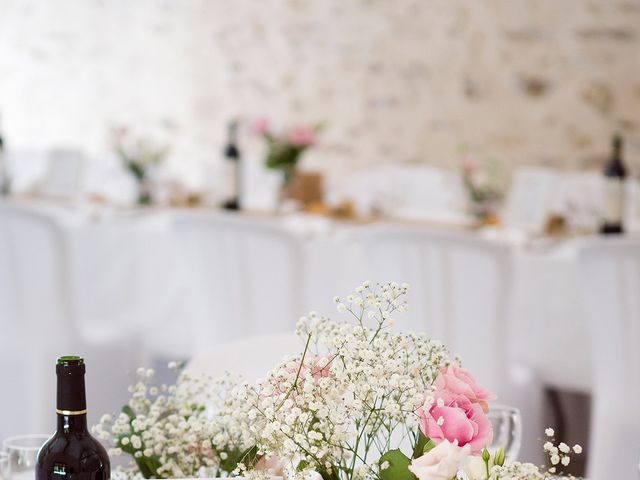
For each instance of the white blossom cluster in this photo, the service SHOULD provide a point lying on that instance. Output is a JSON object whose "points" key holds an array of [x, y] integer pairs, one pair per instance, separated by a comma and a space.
{"points": [[558, 455], [184, 430], [354, 391], [517, 471]]}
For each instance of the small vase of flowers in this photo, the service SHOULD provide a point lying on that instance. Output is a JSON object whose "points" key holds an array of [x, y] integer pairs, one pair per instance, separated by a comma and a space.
{"points": [[140, 157], [285, 149], [484, 187]]}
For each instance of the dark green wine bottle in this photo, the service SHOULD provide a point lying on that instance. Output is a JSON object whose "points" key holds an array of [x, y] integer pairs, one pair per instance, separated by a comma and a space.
{"points": [[72, 453], [615, 174]]}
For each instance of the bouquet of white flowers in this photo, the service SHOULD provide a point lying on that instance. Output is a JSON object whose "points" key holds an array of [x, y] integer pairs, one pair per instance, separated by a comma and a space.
{"points": [[195, 428]]}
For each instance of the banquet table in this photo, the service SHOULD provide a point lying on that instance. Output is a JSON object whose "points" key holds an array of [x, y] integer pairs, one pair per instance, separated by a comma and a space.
{"points": [[125, 270]]}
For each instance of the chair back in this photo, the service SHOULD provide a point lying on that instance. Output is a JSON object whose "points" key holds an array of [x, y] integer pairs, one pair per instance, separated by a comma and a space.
{"points": [[245, 276], [63, 174], [33, 254], [253, 357], [610, 274], [530, 198], [459, 290]]}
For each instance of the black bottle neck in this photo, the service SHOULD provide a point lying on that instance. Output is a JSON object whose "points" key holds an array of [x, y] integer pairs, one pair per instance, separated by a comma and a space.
{"points": [[71, 401], [71, 393], [72, 423]]}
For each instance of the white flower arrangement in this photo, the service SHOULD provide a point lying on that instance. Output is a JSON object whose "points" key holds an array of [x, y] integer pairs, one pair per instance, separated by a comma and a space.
{"points": [[196, 428], [361, 402]]}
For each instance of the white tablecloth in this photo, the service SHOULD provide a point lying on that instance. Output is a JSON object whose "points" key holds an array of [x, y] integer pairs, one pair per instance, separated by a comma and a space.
{"points": [[125, 270]]}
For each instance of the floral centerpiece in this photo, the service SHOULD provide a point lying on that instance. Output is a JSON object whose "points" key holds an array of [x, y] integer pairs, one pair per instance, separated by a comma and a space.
{"points": [[285, 149], [360, 402], [485, 189], [139, 156], [195, 428]]}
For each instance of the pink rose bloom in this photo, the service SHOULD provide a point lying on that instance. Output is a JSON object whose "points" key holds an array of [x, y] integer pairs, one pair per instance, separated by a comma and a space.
{"points": [[260, 126], [459, 381], [302, 136], [271, 465], [456, 419], [440, 463]]}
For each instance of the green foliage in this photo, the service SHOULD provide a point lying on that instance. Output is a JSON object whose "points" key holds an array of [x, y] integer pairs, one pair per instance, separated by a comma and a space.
{"points": [[423, 445], [249, 457], [398, 468]]}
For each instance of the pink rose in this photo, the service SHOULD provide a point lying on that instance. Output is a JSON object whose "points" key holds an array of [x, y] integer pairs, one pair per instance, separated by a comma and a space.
{"points": [[459, 381], [440, 463], [270, 464], [302, 136], [454, 417], [260, 126]]}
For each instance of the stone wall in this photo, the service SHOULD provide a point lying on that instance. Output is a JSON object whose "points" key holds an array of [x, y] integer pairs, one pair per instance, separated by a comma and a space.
{"points": [[402, 81]]}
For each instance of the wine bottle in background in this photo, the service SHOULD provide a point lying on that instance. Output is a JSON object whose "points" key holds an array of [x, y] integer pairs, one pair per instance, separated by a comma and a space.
{"points": [[232, 167], [614, 191], [72, 453]]}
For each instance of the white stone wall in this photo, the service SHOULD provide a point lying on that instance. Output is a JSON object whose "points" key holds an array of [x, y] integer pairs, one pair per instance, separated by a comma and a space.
{"points": [[405, 81]]}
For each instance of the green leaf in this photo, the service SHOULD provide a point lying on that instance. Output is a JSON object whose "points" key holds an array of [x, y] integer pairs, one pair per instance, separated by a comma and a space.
{"points": [[128, 411], [418, 450], [249, 457], [430, 445], [398, 468]]}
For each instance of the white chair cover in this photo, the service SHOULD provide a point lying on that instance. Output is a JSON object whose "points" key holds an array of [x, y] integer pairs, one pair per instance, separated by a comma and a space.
{"points": [[408, 191], [578, 197], [35, 279], [63, 174], [530, 198], [252, 357], [245, 276], [610, 272]]}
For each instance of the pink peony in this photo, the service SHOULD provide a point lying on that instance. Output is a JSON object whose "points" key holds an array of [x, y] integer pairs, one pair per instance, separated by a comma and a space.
{"points": [[260, 126], [454, 417], [301, 136], [440, 463], [459, 381]]}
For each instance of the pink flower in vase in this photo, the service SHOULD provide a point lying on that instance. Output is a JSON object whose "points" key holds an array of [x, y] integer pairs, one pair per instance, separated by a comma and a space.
{"points": [[301, 136], [454, 417], [260, 126], [459, 381]]}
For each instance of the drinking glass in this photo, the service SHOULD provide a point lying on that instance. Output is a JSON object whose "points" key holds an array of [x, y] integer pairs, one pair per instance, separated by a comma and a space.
{"points": [[22, 453], [507, 430], [4, 466]]}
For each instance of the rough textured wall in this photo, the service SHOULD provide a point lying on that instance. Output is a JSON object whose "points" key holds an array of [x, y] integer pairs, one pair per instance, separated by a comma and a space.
{"points": [[407, 81]]}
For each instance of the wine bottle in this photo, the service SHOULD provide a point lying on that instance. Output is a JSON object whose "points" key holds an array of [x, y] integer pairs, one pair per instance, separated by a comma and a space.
{"points": [[614, 191], [232, 157], [72, 453]]}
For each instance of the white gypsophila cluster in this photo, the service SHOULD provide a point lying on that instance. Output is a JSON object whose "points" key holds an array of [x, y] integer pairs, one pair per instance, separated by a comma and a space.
{"points": [[559, 455], [517, 471], [171, 431], [354, 391]]}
